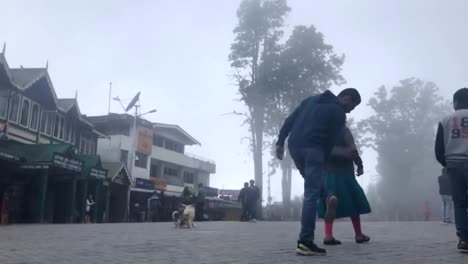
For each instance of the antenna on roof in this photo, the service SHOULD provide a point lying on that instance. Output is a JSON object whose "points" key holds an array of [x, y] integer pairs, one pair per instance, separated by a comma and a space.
{"points": [[4, 48], [47, 65], [76, 94], [133, 102]]}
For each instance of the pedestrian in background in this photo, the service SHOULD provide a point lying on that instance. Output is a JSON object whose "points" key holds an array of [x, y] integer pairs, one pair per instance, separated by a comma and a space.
{"points": [[451, 149], [242, 199], [200, 203], [253, 195], [89, 208]]}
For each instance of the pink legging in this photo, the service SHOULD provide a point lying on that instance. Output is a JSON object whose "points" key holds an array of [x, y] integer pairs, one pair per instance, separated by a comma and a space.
{"points": [[356, 220]]}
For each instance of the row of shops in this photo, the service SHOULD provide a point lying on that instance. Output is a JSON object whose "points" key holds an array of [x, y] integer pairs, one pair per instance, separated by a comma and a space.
{"points": [[50, 183]]}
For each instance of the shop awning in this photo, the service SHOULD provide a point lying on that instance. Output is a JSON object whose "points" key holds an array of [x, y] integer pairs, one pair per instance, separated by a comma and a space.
{"points": [[42, 156], [92, 167]]}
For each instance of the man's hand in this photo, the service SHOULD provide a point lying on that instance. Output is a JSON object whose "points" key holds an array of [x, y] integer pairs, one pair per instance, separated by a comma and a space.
{"points": [[360, 171], [279, 152]]}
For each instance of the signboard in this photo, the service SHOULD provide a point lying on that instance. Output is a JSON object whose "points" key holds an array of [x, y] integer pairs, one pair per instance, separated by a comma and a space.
{"points": [[229, 192], [144, 184], [8, 156], [121, 178], [159, 183], [34, 166], [67, 163], [98, 173], [145, 141]]}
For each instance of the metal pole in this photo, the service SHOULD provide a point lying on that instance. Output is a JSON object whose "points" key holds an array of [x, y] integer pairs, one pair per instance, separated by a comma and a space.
{"points": [[110, 95], [134, 139], [132, 160]]}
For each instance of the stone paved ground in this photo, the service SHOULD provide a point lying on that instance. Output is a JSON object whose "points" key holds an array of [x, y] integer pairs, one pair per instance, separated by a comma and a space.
{"points": [[222, 242]]}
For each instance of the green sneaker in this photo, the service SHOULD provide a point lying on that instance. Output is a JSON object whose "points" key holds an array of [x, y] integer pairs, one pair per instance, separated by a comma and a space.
{"points": [[309, 249]]}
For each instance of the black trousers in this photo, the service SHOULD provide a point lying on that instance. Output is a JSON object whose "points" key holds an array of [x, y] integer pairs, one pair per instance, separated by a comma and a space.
{"points": [[458, 174]]}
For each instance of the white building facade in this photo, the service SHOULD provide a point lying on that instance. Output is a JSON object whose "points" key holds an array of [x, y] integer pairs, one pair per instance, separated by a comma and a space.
{"points": [[161, 162]]}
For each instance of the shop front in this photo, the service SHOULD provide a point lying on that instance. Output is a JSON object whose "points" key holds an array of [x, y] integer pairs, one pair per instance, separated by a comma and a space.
{"points": [[118, 178], [50, 187], [93, 186]]}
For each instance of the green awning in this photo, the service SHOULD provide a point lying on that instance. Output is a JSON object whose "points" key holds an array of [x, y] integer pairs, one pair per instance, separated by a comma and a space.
{"points": [[9, 155], [39, 156], [92, 167]]}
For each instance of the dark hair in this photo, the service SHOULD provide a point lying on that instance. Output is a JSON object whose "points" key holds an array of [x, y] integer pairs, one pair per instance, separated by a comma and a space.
{"points": [[353, 93], [461, 97]]}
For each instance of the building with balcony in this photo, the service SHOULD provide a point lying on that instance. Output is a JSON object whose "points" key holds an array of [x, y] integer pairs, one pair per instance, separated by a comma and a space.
{"points": [[161, 162]]}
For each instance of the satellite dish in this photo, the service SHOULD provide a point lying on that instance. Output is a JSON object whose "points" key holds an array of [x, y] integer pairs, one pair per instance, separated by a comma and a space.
{"points": [[133, 102]]}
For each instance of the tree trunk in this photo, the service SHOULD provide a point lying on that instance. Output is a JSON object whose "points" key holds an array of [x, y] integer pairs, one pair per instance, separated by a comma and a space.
{"points": [[259, 122]]}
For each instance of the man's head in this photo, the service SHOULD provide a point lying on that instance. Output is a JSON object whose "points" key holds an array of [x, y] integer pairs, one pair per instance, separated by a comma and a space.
{"points": [[246, 184], [460, 99], [252, 182], [349, 99], [200, 185]]}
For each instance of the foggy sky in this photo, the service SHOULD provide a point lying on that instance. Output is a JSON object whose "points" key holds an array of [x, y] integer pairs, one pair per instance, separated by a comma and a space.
{"points": [[175, 53]]}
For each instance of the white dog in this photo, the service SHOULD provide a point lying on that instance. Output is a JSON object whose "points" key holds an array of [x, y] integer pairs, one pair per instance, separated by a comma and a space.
{"points": [[184, 216]]}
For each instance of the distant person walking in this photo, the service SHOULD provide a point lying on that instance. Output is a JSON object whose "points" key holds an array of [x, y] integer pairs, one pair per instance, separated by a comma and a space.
{"points": [[445, 191], [187, 197], [426, 211], [313, 129], [253, 195], [451, 149], [200, 203], [242, 199], [342, 186], [89, 208]]}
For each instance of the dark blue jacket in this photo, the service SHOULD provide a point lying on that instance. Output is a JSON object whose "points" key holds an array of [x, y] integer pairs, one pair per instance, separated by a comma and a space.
{"points": [[316, 123]]}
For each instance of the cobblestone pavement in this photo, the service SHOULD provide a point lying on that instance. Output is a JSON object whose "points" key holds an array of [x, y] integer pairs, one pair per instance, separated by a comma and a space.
{"points": [[223, 242]]}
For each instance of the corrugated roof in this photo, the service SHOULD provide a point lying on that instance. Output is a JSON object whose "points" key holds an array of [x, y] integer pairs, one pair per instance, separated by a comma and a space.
{"points": [[66, 103], [25, 77]]}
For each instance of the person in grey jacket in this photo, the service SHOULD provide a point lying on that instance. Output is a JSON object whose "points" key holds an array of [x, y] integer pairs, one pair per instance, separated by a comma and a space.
{"points": [[451, 149]]}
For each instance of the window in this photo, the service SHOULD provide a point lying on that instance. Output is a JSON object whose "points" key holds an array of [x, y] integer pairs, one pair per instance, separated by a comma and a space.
{"points": [[34, 117], [62, 127], [174, 146], [68, 131], [158, 141], [170, 172], [83, 146], [189, 177], [73, 133], [56, 126], [154, 171], [3, 105], [50, 123], [14, 109], [124, 156], [141, 160], [25, 113], [43, 122]]}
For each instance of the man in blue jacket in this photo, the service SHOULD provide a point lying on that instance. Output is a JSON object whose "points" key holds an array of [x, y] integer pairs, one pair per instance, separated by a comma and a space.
{"points": [[313, 129]]}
